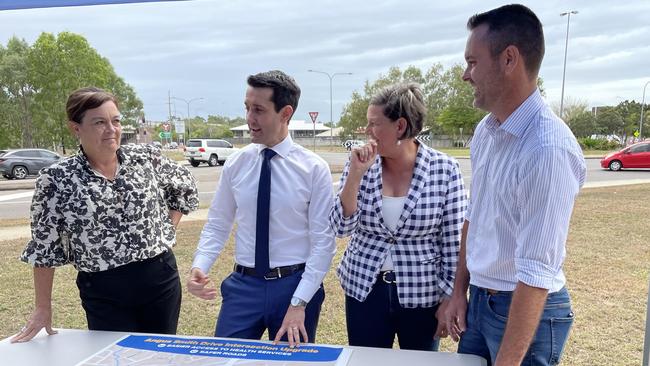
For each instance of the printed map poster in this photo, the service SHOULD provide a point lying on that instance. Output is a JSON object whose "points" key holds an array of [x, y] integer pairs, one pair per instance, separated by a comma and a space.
{"points": [[142, 350]]}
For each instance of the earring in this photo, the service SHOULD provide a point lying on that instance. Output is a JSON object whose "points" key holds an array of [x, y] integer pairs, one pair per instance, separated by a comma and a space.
{"points": [[399, 142]]}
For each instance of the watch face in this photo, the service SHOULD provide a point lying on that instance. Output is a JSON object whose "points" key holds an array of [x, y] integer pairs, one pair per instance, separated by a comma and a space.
{"points": [[297, 302]]}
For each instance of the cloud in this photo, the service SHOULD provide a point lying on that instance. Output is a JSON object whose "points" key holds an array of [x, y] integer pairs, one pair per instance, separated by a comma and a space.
{"points": [[206, 48]]}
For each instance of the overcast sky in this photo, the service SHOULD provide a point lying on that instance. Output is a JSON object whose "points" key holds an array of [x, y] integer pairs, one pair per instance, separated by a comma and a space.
{"points": [[205, 49]]}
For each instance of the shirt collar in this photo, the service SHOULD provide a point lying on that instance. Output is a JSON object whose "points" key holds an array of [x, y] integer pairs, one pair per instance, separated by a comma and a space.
{"points": [[122, 158], [281, 148], [518, 121]]}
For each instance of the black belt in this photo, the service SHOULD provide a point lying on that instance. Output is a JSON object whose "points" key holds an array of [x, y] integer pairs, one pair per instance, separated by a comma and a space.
{"points": [[388, 277], [273, 274]]}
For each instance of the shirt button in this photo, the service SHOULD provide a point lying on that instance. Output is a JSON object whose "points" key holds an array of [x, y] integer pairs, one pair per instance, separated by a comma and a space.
{"points": [[391, 240]]}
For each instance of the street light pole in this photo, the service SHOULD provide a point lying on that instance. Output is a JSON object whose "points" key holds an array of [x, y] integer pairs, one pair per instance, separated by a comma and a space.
{"points": [[566, 47], [331, 76], [642, 105], [187, 102]]}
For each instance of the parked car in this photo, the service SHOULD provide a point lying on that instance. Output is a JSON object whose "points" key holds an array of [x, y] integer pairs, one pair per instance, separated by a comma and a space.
{"points": [[20, 163], [211, 151], [350, 144], [634, 156]]}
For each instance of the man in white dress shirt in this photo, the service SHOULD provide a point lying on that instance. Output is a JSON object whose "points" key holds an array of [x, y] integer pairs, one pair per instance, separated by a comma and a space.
{"points": [[527, 170], [280, 195]]}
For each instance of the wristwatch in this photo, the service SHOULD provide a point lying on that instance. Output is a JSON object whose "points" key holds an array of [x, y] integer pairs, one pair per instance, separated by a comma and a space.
{"points": [[296, 301]]}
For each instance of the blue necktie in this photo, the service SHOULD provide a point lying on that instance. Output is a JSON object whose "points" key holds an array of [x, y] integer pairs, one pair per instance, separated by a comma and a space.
{"points": [[262, 223]]}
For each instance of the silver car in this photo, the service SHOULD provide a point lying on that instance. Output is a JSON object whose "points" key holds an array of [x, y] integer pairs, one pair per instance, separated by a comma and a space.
{"points": [[20, 163]]}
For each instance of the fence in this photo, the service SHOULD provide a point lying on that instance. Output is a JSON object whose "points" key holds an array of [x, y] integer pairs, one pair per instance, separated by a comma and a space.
{"points": [[438, 141]]}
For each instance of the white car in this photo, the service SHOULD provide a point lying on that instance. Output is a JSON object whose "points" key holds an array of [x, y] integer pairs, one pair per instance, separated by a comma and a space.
{"points": [[211, 151]]}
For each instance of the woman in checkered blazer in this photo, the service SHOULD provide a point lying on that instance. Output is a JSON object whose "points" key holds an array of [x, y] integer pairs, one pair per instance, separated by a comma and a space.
{"points": [[403, 205]]}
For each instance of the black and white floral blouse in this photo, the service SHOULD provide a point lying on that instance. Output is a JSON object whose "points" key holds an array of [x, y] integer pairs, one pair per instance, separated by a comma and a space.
{"points": [[80, 217]]}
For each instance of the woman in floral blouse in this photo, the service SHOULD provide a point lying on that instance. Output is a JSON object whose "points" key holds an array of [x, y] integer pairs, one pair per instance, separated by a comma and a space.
{"points": [[111, 211]]}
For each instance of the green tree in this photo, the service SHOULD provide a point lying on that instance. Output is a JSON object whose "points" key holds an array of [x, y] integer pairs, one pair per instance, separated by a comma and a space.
{"points": [[353, 119], [59, 65], [572, 107], [354, 115], [16, 95], [609, 121], [630, 112], [583, 124], [457, 104], [448, 98]]}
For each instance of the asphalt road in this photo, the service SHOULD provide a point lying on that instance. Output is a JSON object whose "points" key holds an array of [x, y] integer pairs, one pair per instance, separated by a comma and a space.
{"points": [[14, 203]]}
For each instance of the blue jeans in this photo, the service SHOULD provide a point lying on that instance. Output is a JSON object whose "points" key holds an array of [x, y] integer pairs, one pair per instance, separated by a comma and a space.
{"points": [[487, 315]]}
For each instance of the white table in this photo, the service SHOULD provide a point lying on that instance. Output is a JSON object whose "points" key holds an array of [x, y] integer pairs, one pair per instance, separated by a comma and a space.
{"points": [[71, 346]]}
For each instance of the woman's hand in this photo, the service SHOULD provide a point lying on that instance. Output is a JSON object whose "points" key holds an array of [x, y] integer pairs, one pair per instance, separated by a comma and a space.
{"points": [[40, 318], [42, 315], [361, 158]]}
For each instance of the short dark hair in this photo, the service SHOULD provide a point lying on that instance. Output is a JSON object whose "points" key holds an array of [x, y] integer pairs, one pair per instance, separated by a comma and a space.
{"points": [[403, 100], [285, 89], [84, 99], [514, 25]]}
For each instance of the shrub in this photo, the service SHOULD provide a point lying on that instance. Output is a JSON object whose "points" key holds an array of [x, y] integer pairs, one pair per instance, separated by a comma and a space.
{"points": [[587, 143]]}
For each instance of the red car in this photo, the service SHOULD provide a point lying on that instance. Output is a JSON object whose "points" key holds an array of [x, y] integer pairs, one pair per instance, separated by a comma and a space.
{"points": [[634, 156]]}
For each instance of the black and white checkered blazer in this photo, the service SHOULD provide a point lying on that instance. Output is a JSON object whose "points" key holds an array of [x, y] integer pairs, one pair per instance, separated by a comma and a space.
{"points": [[425, 245]]}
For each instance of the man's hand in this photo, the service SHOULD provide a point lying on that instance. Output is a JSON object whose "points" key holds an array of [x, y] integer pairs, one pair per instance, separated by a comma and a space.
{"points": [[441, 329], [200, 285], [525, 311], [455, 316], [41, 318], [294, 325]]}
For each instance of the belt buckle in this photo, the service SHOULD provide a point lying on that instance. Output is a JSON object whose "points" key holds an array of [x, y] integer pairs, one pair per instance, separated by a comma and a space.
{"points": [[279, 274], [383, 277]]}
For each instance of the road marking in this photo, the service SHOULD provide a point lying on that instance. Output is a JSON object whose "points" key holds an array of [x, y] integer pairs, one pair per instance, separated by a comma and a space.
{"points": [[14, 196], [334, 184]]}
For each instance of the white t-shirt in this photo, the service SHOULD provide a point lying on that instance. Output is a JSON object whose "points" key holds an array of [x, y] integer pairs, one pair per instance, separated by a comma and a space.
{"points": [[391, 210]]}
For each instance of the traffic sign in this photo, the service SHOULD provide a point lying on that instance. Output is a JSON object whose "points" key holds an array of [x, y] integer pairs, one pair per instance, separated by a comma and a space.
{"points": [[636, 133], [165, 135], [179, 126], [166, 127], [313, 116]]}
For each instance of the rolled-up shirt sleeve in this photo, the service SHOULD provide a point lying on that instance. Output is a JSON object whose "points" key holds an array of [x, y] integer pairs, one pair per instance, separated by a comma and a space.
{"points": [[343, 226], [551, 180], [177, 183], [49, 246], [323, 244], [451, 227]]}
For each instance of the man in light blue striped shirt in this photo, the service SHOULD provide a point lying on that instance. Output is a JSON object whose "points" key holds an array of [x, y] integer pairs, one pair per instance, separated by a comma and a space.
{"points": [[527, 172]]}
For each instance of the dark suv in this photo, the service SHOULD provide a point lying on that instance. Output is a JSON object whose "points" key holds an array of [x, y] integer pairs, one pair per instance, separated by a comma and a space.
{"points": [[19, 163]]}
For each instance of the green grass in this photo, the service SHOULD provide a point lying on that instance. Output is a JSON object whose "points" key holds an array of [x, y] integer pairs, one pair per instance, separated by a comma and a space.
{"points": [[606, 267], [176, 155], [600, 153]]}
